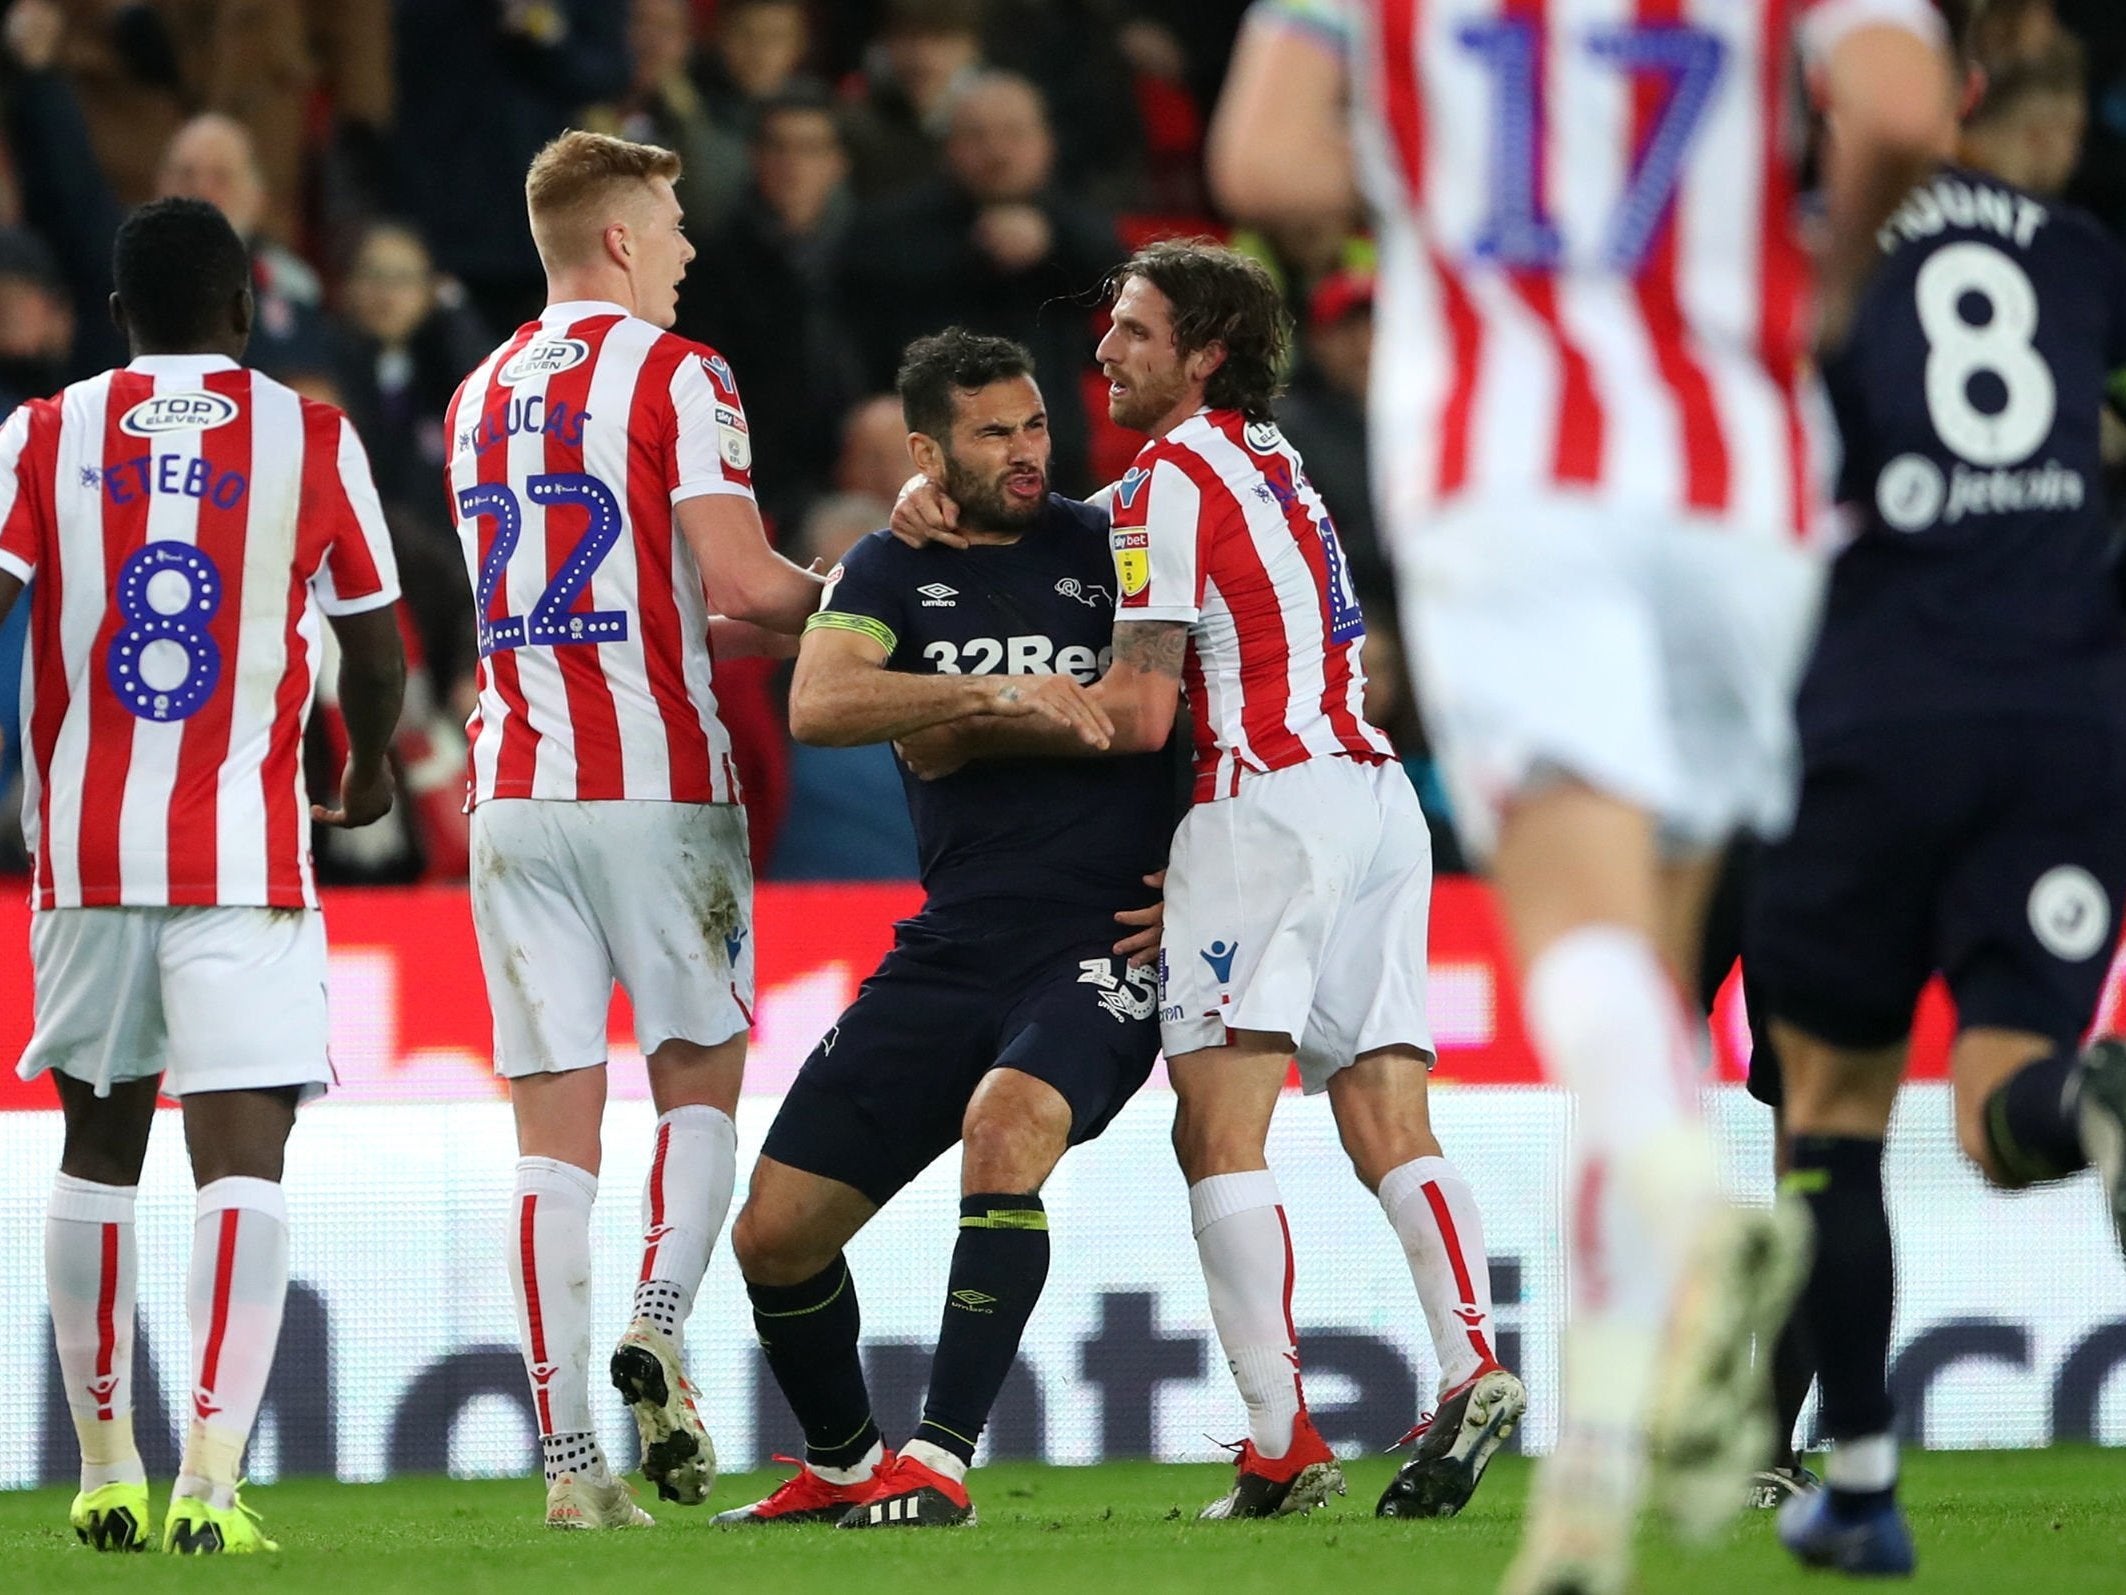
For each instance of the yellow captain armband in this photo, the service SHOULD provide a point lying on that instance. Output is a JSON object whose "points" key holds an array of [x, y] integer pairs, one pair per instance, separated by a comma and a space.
{"points": [[863, 625]]}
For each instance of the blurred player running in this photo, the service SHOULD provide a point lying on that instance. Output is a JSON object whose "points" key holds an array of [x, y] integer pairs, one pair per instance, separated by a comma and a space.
{"points": [[1006, 1018], [601, 474], [1592, 429], [181, 523], [1299, 883], [1964, 734]]}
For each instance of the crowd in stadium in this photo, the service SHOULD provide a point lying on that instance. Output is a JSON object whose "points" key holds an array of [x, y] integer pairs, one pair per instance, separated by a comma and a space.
{"points": [[857, 173]]}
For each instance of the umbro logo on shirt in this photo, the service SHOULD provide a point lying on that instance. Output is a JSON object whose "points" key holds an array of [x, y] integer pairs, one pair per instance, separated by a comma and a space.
{"points": [[936, 595]]}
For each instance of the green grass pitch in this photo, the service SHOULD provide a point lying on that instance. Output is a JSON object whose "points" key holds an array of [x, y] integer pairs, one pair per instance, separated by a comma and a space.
{"points": [[2028, 1523]]}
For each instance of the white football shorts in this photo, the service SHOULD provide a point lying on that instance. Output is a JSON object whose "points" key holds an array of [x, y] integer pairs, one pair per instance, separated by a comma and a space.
{"points": [[1653, 658], [215, 999], [1299, 906], [569, 897]]}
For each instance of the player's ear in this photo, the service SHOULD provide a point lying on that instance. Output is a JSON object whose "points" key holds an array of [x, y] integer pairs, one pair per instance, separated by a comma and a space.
{"points": [[242, 313], [928, 455], [1204, 362], [117, 309]]}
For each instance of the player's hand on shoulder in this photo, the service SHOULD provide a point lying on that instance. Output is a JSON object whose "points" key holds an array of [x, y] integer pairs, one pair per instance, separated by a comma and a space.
{"points": [[1058, 698], [1141, 946], [365, 797], [924, 513]]}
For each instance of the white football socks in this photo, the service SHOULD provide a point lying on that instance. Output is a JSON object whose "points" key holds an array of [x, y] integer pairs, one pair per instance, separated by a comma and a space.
{"points": [[1246, 1253], [550, 1273], [684, 1201], [236, 1289], [1435, 1216], [89, 1271], [1606, 1018]]}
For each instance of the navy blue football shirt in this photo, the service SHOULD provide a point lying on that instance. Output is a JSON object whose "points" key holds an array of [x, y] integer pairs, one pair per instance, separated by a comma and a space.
{"points": [[1970, 400], [1077, 833]]}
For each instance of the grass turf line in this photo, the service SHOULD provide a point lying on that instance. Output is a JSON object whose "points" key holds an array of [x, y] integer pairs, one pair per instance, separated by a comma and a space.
{"points": [[2033, 1521]]}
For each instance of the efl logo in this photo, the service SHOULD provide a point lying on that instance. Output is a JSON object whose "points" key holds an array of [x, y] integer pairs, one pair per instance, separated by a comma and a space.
{"points": [[545, 357], [178, 412]]}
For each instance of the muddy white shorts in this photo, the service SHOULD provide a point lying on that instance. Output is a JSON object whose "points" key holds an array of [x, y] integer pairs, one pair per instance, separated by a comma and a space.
{"points": [[214, 999], [568, 898], [1299, 906], [1653, 658]]}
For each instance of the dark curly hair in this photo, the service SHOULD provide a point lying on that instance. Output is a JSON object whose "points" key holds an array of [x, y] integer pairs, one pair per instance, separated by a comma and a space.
{"points": [[933, 369], [1224, 297]]}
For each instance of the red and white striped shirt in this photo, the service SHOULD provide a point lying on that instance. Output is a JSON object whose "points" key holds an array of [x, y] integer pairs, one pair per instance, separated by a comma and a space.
{"points": [[1592, 277], [184, 520], [1217, 525], [571, 445]]}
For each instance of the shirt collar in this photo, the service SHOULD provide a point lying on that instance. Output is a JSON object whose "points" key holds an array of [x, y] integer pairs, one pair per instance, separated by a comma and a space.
{"points": [[180, 365], [569, 310]]}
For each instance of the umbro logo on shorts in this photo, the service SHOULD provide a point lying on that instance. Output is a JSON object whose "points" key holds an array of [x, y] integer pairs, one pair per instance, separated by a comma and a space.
{"points": [[936, 595]]}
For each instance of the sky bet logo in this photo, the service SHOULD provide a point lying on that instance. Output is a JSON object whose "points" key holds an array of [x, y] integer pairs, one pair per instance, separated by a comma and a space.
{"points": [[178, 412]]}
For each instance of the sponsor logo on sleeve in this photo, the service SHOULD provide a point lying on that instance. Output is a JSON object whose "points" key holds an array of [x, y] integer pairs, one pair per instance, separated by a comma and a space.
{"points": [[1263, 436], [719, 370], [544, 357], [198, 411], [734, 439], [1131, 486], [1133, 561]]}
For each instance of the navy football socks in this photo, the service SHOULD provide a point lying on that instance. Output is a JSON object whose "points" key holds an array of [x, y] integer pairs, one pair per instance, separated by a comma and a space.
{"points": [[2031, 1121], [1846, 1307], [998, 1269], [808, 1332]]}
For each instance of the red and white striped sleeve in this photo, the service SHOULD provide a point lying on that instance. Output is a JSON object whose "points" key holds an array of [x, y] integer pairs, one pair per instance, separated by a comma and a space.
{"points": [[359, 571], [1825, 24], [711, 448], [1156, 538], [19, 542]]}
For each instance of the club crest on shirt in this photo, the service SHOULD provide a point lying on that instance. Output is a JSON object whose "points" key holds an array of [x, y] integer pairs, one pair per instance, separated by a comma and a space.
{"points": [[544, 357], [1133, 559], [198, 411]]}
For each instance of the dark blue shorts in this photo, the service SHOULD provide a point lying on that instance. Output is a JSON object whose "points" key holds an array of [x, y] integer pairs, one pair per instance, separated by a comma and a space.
{"points": [[885, 1091], [1992, 850]]}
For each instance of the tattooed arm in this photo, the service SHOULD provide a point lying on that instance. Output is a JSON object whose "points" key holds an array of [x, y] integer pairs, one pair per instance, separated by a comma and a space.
{"points": [[1141, 694], [1141, 691]]}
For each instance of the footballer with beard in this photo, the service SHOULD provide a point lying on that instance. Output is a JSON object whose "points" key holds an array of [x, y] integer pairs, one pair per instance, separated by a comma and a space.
{"points": [[1007, 1017]]}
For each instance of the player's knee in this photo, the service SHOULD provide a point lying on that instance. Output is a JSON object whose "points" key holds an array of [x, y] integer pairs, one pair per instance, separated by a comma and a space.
{"points": [[777, 1248], [998, 1153]]}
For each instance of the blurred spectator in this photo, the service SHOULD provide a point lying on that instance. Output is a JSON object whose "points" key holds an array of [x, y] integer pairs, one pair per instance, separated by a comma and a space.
{"points": [[36, 320], [211, 157], [1324, 414], [758, 52], [143, 68], [400, 348], [36, 334], [214, 158], [848, 815], [874, 459], [2027, 127], [1070, 50], [925, 51], [664, 106], [762, 292], [990, 246], [482, 85]]}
